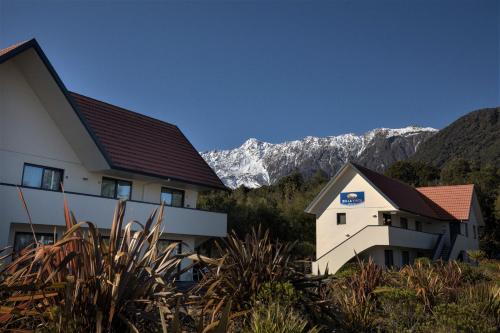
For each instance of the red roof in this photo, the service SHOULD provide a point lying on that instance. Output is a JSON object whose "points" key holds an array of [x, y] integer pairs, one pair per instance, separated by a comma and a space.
{"points": [[138, 143], [11, 48], [455, 200], [439, 202], [131, 141]]}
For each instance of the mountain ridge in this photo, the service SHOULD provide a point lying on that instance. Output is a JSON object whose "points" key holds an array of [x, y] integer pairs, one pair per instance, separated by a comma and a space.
{"points": [[256, 163]]}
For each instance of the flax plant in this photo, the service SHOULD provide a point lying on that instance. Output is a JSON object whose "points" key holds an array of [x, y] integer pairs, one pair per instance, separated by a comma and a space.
{"points": [[80, 283]]}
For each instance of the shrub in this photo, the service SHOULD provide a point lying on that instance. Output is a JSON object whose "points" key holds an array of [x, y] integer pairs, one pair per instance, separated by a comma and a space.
{"points": [[354, 296], [282, 293], [457, 318], [432, 281], [399, 309], [245, 267], [80, 281], [276, 318]]}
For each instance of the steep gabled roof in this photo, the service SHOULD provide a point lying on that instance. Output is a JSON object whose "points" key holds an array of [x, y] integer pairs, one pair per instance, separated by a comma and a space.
{"points": [[404, 196], [454, 200], [138, 143], [130, 141]]}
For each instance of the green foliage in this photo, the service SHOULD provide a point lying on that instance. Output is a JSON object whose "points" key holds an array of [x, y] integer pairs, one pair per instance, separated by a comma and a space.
{"points": [[414, 173], [246, 265], [278, 208], [399, 309], [459, 318], [276, 318], [473, 137], [354, 296], [282, 293]]}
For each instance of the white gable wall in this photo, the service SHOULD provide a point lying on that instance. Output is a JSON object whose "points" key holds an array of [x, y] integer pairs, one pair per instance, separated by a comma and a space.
{"points": [[28, 134], [328, 233]]}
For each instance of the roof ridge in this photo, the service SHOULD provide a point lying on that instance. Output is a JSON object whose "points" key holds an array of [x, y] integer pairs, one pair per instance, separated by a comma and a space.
{"points": [[122, 108], [437, 186]]}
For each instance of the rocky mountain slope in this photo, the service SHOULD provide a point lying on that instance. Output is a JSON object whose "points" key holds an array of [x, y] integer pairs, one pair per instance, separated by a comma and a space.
{"points": [[258, 163]]}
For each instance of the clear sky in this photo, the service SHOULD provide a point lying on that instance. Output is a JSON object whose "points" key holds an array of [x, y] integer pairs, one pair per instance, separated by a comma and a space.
{"points": [[224, 71]]}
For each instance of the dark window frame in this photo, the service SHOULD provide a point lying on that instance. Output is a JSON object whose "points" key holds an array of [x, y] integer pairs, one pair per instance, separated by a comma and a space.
{"points": [[43, 167], [405, 258], [405, 220], [339, 215], [116, 180], [14, 245], [466, 230], [165, 189], [389, 254], [387, 219], [418, 225], [474, 231]]}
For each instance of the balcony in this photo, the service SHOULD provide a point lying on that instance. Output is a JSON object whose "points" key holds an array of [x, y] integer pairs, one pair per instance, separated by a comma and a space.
{"points": [[369, 236], [46, 207]]}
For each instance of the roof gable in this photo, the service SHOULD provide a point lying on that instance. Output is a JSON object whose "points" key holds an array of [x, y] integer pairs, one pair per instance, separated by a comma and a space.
{"points": [[438, 202], [125, 140], [404, 196]]}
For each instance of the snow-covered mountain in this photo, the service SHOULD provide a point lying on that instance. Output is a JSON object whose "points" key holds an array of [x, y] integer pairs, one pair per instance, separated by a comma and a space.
{"points": [[258, 163]]}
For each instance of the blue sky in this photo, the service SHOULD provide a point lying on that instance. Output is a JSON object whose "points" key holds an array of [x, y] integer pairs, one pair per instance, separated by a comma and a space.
{"points": [[224, 71]]}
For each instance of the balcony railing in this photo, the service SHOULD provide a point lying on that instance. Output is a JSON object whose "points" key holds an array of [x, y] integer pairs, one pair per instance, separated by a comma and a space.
{"points": [[369, 236], [46, 207]]}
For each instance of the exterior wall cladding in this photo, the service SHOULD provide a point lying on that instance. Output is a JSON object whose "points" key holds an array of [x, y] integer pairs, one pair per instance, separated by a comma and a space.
{"points": [[376, 228], [29, 134]]}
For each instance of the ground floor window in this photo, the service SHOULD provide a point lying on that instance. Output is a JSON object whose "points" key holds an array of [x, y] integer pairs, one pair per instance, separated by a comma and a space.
{"points": [[466, 230], [474, 231], [405, 258], [25, 239], [389, 258]]}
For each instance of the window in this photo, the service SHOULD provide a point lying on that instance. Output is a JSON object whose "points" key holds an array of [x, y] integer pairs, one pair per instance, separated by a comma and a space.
{"points": [[404, 223], [341, 218], [25, 239], [405, 258], [387, 219], [42, 177], [389, 258], [466, 230], [115, 188], [418, 225], [474, 231], [172, 197]]}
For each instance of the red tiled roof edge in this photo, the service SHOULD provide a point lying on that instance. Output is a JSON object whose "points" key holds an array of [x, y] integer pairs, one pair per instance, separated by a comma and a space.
{"points": [[409, 198], [169, 153]]}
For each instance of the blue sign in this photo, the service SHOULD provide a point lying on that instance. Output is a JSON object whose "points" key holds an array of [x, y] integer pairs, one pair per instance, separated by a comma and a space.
{"points": [[352, 198]]}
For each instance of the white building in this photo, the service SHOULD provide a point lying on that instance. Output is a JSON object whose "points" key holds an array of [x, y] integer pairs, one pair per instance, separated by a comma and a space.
{"points": [[99, 152], [366, 213]]}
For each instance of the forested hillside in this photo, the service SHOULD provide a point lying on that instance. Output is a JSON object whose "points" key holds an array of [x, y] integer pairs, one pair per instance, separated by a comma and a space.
{"points": [[466, 151], [474, 137]]}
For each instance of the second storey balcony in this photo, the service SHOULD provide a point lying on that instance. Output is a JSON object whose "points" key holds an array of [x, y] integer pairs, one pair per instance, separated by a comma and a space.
{"points": [[47, 208], [370, 236]]}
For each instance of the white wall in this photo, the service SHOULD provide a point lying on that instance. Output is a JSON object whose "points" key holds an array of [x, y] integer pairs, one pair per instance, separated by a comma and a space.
{"points": [[28, 134], [328, 233]]}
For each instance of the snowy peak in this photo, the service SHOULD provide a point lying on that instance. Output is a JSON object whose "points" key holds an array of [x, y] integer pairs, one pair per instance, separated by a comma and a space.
{"points": [[257, 163]]}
